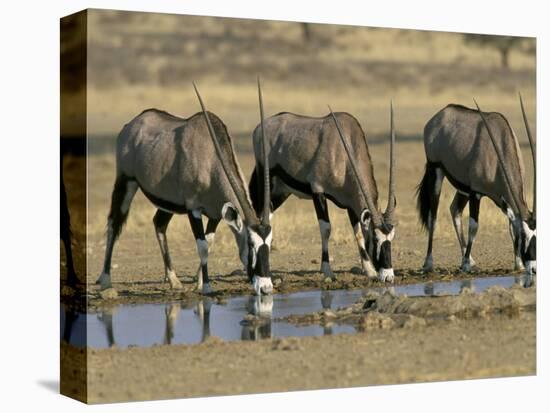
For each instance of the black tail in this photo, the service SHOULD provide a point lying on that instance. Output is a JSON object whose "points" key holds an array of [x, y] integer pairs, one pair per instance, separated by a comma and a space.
{"points": [[256, 190], [425, 196]]}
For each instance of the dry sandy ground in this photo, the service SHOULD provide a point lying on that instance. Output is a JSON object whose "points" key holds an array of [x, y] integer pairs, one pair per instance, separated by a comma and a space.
{"points": [[399, 340], [444, 351]]}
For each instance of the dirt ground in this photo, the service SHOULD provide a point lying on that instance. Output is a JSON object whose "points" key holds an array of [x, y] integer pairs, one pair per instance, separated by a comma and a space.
{"points": [[445, 350]]}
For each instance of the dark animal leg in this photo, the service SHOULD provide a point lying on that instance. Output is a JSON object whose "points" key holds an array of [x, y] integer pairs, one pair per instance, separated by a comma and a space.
{"points": [[321, 209], [195, 219], [65, 230], [211, 227], [457, 206], [121, 199], [472, 231], [161, 221]]}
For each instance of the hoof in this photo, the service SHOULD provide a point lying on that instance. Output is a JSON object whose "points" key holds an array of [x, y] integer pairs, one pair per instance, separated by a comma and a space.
{"points": [[428, 265], [206, 289], [386, 275], [175, 283], [104, 281], [325, 269], [466, 266]]}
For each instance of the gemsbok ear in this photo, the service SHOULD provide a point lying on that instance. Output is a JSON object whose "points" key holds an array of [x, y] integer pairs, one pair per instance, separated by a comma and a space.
{"points": [[365, 217], [232, 217]]}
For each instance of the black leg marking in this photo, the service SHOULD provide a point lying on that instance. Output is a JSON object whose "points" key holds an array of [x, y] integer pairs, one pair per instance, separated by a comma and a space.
{"points": [[456, 208], [472, 229], [321, 209], [161, 221], [202, 245]]}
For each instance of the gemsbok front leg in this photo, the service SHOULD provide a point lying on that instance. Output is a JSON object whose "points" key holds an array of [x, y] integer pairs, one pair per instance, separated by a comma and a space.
{"points": [[366, 263], [121, 199], [321, 209], [161, 221], [195, 219], [210, 234], [516, 243], [473, 226]]}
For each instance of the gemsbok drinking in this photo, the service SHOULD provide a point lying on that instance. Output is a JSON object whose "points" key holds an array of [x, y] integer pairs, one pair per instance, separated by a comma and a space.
{"points": [[478, 152], [182, 171], [311, 158]]}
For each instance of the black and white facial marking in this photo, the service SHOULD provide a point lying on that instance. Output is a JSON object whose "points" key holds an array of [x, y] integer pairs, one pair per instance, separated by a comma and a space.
{"points": [[529, 245], [259, 245], [254, 243], [381, 249], [527, 232]]}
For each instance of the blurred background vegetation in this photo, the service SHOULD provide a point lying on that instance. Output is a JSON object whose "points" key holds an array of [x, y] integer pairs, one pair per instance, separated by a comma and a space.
{"points": [[141, 60]]}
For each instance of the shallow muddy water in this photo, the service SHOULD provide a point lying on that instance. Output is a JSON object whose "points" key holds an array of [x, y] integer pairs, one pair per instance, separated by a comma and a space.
{"points": [[237, 318]]}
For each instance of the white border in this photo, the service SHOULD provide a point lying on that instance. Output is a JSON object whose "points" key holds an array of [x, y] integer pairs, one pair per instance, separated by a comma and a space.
{"points": [[29, 211]]}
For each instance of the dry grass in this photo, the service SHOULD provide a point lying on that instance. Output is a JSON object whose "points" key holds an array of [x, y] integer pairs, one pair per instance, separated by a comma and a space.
{"points": [[138, 60]]}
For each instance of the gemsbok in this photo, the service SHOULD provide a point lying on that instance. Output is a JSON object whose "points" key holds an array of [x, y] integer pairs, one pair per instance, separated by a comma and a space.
{"points": [[311, 158], [478, 152], [181, 171]]}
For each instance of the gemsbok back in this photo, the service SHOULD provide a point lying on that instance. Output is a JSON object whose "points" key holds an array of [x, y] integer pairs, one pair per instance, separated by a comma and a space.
{"points": [[181, 171], [478, 152], [311, 158]]}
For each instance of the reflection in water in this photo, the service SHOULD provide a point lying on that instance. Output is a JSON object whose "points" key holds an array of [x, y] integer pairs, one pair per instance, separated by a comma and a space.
{"points": [[106, 318], [262, 308], [326, 303], [236, 318]]}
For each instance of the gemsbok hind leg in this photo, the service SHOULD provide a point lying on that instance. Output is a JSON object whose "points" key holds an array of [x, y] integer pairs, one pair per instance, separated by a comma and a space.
{"points": [[457, 206], [321, 209], [161, 221], [121, 199], [195, 219], [473, 226], [366, 263], [433, 192], [209, 236]]}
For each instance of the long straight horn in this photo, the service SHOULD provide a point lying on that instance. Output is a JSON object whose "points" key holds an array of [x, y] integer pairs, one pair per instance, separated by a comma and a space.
{"points": [[390, 208], [376, 217], [267, 190], [507, 176], [248, 215], [532, 143]]}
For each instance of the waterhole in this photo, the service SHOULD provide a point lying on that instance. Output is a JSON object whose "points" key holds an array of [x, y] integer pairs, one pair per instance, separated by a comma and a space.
{"points": [[236, 318]]}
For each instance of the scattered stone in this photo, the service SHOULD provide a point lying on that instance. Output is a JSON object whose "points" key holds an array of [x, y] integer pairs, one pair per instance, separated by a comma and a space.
{"points": [[108, 294], [356, 270], [286, 344], [414, 322], [328, 314], [377, 320], [238, 271]]}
